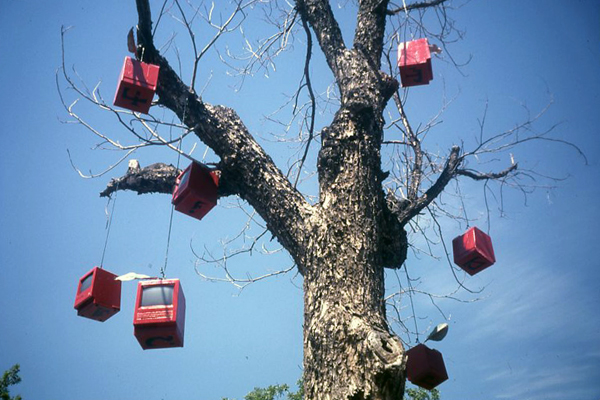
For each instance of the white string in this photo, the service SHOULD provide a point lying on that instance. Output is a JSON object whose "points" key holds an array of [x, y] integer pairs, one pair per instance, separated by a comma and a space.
{"points": [[163, 269], [412, 306], [109, 224], [412, 36]]}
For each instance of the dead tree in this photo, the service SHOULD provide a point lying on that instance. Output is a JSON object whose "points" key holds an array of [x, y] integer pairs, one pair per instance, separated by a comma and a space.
{"points": [[341, 243]]}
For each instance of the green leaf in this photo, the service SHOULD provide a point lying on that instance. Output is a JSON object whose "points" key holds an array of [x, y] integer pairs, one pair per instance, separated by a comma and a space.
{"points": [[270, 393], [421, 394], [9, 378]]}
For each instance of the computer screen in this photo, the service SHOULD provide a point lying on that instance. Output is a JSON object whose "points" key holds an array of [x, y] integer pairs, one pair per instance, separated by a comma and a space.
{"points": [[160, 295], [184, 179], [86, 282]]}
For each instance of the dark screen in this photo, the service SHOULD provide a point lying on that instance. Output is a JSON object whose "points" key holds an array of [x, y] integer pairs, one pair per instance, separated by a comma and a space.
{"points": [[86, 282], [157, 296], [184, 179]]}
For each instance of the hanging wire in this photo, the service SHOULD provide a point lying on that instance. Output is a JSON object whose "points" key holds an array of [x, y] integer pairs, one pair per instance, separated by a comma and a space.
{"points": [[462, 202], [412, 305], [163, 269], [110, 217], [407, 24]]}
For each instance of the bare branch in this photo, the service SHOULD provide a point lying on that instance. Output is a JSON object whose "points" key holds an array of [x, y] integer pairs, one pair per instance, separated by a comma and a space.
{"points": [[311, 127], [319, 15], [415, 6], [155, 178], [239, 283], [370, 28], [479, 176], [188, 26], [81, 174], [409, 209], [261, 54], [414, 177]]}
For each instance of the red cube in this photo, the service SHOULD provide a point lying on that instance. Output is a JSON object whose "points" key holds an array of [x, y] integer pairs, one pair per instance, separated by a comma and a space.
{"points": [[98, 295], [425, 367], [473, 251], [137, 85], [414, 60], [195, 191], [159, 316]]}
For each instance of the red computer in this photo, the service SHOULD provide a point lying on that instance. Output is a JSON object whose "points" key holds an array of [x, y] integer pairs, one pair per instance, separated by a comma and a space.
{"points": [[159, 316], [98, 295]]}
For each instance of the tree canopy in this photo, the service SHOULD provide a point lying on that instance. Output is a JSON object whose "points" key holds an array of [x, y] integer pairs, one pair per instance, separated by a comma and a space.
{"points": [[9, 378]]}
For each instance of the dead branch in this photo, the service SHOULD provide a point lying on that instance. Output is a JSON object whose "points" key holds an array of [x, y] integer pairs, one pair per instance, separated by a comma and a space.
{"points": [[155, 178], [415, 6], [480, 176]]}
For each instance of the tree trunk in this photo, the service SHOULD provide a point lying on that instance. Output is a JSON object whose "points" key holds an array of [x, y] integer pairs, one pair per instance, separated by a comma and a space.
{"points": [[348, 350]]}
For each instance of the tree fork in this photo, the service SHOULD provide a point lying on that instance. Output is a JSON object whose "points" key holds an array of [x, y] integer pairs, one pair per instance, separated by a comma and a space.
{"points": [[343, 244]]}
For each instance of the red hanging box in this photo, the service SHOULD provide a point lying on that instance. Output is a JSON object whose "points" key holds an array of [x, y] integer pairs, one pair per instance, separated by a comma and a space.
{"points": [[425, 367], [159, 317], [414, 60], [98, 295], [137, 85], [473, 251], [195, 191]]}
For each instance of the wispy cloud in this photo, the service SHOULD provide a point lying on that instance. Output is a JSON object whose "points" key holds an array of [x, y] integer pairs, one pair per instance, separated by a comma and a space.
{"points": [[565, 383]]}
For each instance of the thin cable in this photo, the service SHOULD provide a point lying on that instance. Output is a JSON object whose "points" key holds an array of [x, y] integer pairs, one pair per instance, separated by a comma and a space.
{"points": [[462, 202], [405, 8], [110, 217], [412, 36], [163, 269], [412, 305]]}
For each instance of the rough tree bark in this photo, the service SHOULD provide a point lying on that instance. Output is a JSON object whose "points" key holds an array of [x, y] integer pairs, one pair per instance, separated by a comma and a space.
{"points": [[342, 244]]}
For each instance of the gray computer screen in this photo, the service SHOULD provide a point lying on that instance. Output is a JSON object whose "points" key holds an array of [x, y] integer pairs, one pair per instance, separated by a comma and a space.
{"points": [[157, 296], [86, 282]]}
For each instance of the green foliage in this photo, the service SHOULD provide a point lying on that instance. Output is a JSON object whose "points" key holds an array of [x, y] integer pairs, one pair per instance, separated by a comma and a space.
{"points": [[276, 392], [273, 392], [421, 394], [270, 393], [299, 395], [9, 378]]}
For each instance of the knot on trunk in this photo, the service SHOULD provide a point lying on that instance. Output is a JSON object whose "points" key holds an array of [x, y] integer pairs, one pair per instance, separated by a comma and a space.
{"points": [[388, 350]]}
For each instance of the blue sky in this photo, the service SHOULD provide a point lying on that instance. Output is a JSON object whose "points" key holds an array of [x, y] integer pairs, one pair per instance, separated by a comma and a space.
{"points": [[531, 335]]}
